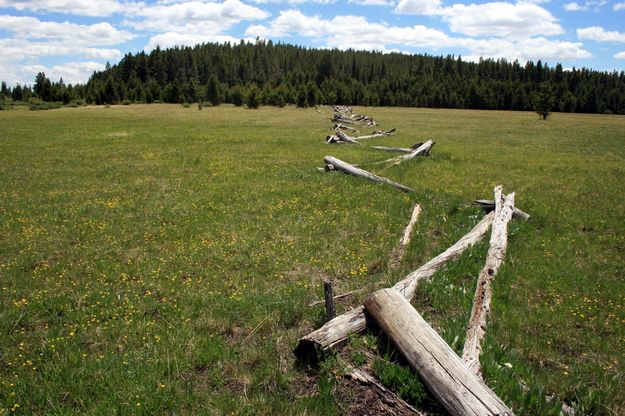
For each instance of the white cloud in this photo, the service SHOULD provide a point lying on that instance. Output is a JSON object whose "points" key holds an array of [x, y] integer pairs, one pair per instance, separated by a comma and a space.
{"points": [[71, 72], [102, 53], [418, 6], [25, 27], [356, 32], [599, 34], [501, 19], [193, 17], [620, 55], [171, 39], [527, 49], [575, 7], [77, 7], [373, 2], [619, 6]]}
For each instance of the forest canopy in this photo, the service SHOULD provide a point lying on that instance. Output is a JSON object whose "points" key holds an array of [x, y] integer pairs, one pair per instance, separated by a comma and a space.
{"points": [[278, 74]]}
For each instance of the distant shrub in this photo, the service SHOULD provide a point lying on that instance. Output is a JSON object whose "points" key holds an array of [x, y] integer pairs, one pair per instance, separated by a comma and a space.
{"points": [[186, 104], [126, 102]]}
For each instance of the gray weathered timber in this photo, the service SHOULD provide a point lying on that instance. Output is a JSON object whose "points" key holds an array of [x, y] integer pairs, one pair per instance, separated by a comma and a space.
{"points": [[488, 205], [345, 167], [398, 253], [393, 149], [336, 332], [377, 133], [450, 381], [476, 329]]}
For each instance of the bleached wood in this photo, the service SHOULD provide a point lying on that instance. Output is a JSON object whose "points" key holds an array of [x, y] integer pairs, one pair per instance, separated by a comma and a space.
{"points": [[458, 390], [393, 149], [345, 167], [399, 251], [424, 149], [342, 127], [488, 205], [476, 328], [377, 133], [336, 332]]}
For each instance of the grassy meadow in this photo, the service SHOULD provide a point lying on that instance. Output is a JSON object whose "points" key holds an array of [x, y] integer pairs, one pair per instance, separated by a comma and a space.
{"points": [[156, 259]]}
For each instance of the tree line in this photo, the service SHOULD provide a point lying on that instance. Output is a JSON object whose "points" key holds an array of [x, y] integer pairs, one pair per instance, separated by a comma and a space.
{"points": [[264, 73]]}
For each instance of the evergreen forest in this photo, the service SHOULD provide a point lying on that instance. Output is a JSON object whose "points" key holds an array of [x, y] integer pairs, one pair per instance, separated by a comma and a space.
{"points": [[266, 73]]}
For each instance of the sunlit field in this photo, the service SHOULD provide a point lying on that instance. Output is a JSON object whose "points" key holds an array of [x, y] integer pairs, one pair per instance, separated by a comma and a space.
{"points": [[156, 259]]}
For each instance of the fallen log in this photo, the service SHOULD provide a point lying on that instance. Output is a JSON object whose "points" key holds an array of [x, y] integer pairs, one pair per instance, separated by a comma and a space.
{"points": [[450, 381], [488, 205], [377, 133], [399, 251], [476, 329], [340, 138], [423, 150], [393, 149], [336, 332], [337, 164], [342, 120], [339, 126], [393, 404]]}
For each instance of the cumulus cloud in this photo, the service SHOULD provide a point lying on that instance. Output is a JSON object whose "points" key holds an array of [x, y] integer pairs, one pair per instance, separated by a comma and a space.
{"points": [[356, 32], [76, 7], [25, 27], [418, 6], [171, 39], [619, 6], [501, 19], [575, 7], [71, 72], [193, 17], [620, 55], [599, 34], [373, 2]]}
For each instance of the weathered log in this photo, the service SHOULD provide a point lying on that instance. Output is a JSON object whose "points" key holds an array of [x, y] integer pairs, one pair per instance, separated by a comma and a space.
{"points": [[424, 150], [488, 205], [393, 404], [353, 170], [377, 133], [339, 126], [476, 329], [393, 149], [399, 251], [449, 380], [340, 138], [336, 332]]}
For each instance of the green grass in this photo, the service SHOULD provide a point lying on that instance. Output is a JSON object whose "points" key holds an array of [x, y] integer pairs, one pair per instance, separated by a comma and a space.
{"points": [[159, 259]]}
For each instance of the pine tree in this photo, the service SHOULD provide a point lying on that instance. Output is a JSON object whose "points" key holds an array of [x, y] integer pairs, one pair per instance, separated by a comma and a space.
{"points": [[544, 100]]}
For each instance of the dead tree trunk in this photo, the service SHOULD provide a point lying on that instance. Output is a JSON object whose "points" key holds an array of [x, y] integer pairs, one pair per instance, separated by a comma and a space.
{"points": [[453, 385], [378, 133], [353, 170], [338, 126], [424, 149], [399, 251], [483, 293], [336, 332], [393, 149], [488, 205]]}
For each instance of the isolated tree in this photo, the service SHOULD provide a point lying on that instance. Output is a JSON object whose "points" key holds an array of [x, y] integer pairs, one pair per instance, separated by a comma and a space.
{"points": [[544, 100], [43, 87]]}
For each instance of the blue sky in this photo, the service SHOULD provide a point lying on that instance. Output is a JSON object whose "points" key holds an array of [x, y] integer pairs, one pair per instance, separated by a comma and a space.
{"points": [[72, 38]]}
